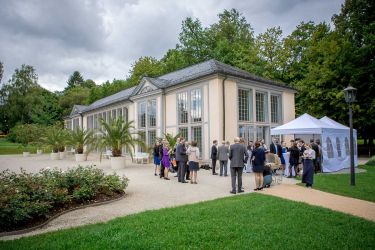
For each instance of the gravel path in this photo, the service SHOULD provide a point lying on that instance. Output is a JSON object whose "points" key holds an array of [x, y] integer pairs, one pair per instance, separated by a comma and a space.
{"points": [[149, 192], [360, 208]]}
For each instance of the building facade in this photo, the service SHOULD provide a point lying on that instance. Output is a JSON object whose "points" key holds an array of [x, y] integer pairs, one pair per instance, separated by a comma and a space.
{"points": [[203, 102]]}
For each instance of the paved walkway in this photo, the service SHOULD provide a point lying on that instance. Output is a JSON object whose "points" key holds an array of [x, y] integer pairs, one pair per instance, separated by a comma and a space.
{"points": [[360, 208], [149, 192]]}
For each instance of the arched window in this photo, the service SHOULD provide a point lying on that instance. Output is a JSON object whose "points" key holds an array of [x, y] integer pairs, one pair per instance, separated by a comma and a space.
{"points": [[338, 147], [347, 151], [329, 148]]}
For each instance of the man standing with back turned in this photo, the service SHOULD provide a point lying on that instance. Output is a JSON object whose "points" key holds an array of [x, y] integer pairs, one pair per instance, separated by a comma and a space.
{"points": [[214, 156], [181, 158], [238, 157]]}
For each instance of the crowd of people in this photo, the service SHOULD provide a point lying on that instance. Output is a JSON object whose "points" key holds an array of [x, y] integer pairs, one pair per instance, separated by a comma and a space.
{"points": [[183, 159]]}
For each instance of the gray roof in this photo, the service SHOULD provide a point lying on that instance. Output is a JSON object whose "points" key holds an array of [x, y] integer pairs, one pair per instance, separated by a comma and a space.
{"points": [[180, 76], [119, 96]]}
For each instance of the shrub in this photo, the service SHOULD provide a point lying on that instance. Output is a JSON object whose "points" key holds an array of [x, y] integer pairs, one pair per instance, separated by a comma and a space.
{"points": [[27, 196]]}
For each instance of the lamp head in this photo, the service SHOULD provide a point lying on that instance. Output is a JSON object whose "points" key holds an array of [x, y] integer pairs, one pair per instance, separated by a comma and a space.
{"points": [[350, 94]]}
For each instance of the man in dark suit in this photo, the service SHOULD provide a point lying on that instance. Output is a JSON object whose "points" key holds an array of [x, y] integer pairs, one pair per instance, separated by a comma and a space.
{"points": [[275, 148], [238, 157], [161, 174], [315, 147], [181, 158], [214, 156]]}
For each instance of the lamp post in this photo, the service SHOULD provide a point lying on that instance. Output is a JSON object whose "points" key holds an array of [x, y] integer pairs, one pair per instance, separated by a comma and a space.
{"points": [[350, 95]]}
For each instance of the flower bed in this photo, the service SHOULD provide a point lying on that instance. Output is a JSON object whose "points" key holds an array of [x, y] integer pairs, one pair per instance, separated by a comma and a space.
{"points": [[29, 199]]}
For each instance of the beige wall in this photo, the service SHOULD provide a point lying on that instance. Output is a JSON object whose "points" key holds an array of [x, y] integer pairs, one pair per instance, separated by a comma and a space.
{"points": [[214, 110], [231, 110], [171, 113], [289, 113]]}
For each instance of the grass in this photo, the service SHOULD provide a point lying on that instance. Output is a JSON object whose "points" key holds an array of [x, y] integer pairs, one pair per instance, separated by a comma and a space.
{"points": [[8, 148], [340, 184], [252, 221]]}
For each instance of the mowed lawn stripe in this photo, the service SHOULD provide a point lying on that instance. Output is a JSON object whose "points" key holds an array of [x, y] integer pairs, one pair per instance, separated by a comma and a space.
{"points": [[252, 221]]}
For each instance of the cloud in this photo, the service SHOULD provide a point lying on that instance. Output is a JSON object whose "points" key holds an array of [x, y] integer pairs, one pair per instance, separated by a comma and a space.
{"points": [[102, 39]]}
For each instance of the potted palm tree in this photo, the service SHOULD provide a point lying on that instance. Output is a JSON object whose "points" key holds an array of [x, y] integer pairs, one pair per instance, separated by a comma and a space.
{"points": [[52, 140], [82, 140], [118, 134]]}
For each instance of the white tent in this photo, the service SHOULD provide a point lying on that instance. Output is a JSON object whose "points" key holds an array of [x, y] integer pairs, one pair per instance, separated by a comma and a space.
{"points": [[334, 139]]}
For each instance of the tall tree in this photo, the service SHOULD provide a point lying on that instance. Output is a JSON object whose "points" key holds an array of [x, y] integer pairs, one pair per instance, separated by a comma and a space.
{"points": [[16, 102], [355, 25], [77, 95], [145, 66], [1, 71], [270, 50], [75, 80]]}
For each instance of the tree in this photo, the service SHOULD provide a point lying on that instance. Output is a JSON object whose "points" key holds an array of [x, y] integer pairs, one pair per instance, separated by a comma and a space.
{"points": [[46, 109], [16, 102], [355, 26], [75, 80], [1, 71], [270, 50], [145, 66], [77, 95], [107, 89]]}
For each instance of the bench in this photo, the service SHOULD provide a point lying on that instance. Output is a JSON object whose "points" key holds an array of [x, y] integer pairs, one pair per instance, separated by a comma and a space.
{"points": [[141, 157]]}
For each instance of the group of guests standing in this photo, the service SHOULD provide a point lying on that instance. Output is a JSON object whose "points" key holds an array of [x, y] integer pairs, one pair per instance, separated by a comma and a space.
{"points": [[305, 156], [239, 155], [183, 157]]}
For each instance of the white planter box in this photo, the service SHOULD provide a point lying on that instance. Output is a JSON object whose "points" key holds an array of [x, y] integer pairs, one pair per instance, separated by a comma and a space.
{"points": [[55, 156], [26, 154], [81, 157], [118, 162], [39, 151], [62, 155]]}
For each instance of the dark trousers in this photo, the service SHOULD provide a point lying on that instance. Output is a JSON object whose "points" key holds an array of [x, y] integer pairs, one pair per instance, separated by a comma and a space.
{"points": [[236, 173], [223, 166], [161, 170], [181, 171], [187, 172], [213, 166]]}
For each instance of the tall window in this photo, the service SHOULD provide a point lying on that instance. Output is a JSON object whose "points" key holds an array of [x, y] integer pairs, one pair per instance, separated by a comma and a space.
{"points": [[261, 106], [151, 113], [196, 135], [245, 104], [329, 147], [151, 137], [338, 147], [75, 123], [196, 105], [95, 121], [182, 104], [142, 137], [89, 122], [126, 114], [105, 116], [109, 116], [68, 124], [114, 114], [119, 112], [347, 151], [184, 132], [142, 115], [275, 108]]}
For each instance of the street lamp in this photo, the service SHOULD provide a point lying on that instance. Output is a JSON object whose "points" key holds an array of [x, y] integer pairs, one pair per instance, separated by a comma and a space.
{"points": [[350, 95]]}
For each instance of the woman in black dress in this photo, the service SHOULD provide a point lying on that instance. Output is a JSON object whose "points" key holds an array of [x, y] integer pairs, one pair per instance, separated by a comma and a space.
{"points": [[308, 166], [258, 156]]}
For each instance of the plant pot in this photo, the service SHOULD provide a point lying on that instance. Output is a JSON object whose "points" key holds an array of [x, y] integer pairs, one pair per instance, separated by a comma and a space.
{"points": [[62, 155], [118, 162], [55, 156], [26, 154], [39, 151], [81, 157]]}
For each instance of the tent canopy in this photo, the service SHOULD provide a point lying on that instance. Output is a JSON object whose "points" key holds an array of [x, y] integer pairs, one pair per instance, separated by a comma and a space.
{"points": [[333, 123], [305, 124]]}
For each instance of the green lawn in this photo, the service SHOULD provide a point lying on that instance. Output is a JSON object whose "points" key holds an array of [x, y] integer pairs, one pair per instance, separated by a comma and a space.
{"points": [[252, 221], [7, 148], [340, 184]]}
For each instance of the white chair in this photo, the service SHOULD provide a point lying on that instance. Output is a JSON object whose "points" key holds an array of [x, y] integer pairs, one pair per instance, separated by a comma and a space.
{"points": [[107, 154], [141, 157]]}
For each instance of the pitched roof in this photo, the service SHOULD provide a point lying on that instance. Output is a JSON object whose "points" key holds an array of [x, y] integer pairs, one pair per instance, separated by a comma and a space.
{"points": [[119, 96], [180, 76]]}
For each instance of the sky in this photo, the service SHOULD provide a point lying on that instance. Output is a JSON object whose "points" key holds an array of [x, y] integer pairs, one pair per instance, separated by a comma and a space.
{"points": [[102, 39]]}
